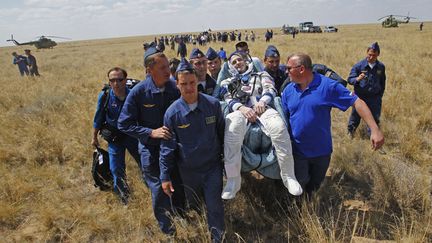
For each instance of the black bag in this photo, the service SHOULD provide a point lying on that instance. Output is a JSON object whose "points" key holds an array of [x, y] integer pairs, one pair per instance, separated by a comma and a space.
{"points": [[101, 170], [110, 133]]}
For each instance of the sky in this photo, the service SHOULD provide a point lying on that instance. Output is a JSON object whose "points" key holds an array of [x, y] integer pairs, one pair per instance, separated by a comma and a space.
{"points": [[95, 19]]}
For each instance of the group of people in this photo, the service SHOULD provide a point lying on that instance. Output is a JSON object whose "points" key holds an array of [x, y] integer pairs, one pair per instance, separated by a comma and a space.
{"points": [[202, 39], [173, 123], [26, 64]]}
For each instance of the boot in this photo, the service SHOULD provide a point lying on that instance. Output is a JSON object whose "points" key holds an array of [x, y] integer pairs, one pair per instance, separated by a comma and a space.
{"points": [[293, 186], [122, 191], [231, 188]]}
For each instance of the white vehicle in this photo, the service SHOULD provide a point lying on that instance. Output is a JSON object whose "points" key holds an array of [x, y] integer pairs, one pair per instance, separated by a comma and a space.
{"points": [[330, 29]]}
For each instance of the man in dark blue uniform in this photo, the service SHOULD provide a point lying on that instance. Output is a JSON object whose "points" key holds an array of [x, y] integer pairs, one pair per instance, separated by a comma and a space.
{"points": [[107, 112], [197, 126], [369, 78], [142, 118], [214, 63], [21, 61], [206, 84], [31, 62], [273, 67], [181, 49]]}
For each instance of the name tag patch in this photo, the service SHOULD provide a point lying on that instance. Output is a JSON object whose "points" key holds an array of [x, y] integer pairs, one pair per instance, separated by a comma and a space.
{"points": [[210, 119]]}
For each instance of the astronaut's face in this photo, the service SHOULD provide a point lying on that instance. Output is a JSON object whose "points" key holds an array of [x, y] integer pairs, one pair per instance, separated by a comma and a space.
{"points": [[238, 63]]}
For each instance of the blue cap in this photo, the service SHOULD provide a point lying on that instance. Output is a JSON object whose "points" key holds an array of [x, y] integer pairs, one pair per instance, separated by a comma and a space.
{"points": [[184, 65], [375, 47], [152, 49], [196, 53], [211, 54], [271, 52]]}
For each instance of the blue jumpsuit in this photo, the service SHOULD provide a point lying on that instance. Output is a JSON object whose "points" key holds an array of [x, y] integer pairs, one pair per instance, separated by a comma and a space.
{"points": [[21, 61], [370, 90], [116, 150], [210, 85], [196, 148], [279, 77], [142, 112]]}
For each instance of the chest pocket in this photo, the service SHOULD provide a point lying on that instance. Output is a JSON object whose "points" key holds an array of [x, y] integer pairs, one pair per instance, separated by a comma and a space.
{"points": [[114, 108], [150, 113]]}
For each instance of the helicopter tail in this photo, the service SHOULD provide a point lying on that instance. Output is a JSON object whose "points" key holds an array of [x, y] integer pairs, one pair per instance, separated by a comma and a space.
{"points": [[14, 41]]}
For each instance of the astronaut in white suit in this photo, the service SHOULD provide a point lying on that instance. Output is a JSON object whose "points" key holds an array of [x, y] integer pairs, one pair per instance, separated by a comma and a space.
{"points": [[247, 95]]}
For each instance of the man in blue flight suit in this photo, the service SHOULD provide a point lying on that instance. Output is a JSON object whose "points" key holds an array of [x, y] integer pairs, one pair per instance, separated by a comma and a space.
{"points": [[31, 62], [273, 67], [214, 63], [21, 61], [369, 78], [197, 126], [222, 54], [107, 112], [307, 102], [206, 84], [142, 118]]}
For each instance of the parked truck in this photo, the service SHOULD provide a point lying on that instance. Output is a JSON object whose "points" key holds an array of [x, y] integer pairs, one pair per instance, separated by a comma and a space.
{"points": [[308, 27], [305, 26]]}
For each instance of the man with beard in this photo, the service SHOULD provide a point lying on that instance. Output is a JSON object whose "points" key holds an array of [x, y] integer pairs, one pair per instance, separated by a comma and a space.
{"points": [[273, 67]]}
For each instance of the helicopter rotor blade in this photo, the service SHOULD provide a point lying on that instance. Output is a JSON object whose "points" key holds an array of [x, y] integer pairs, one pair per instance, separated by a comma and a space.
{"points": [[384, 17], [51, 36], [58, 37]]}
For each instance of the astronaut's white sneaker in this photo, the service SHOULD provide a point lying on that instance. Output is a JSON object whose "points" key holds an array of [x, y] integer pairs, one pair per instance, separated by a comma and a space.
{"points": [[293, 186], [231, 188]]}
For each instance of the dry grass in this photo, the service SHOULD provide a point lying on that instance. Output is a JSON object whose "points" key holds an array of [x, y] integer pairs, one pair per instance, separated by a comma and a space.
{"points": [[46, 191]]}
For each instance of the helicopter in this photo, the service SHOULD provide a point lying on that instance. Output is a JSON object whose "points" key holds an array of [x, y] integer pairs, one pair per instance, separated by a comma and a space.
{"points": [[391, 20], [42, 42]]}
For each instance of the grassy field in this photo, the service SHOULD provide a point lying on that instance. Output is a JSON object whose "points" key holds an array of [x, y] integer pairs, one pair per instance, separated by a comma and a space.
{"points": [[46, 190]]}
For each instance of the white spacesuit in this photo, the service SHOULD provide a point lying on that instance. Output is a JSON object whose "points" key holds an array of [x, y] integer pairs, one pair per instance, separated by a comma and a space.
{"points": [[247, 95]]}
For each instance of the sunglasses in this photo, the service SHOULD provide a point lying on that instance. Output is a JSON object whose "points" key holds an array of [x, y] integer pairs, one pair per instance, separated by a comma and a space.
{"points": [[118, 80], [289, 68]]}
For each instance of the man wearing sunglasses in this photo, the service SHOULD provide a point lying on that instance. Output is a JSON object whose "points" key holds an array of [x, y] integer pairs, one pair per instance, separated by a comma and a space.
{"points": [[142, 118], [307, 102], [110, 103]]}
